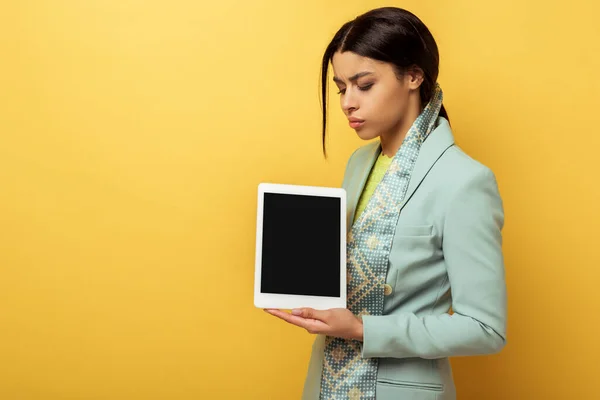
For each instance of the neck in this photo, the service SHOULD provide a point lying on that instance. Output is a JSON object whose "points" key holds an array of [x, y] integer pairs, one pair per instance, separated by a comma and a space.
{"points": [[391, 142]]}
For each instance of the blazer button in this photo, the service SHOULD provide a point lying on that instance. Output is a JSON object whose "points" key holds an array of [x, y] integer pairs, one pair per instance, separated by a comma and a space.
{"points": [[387, 289]]}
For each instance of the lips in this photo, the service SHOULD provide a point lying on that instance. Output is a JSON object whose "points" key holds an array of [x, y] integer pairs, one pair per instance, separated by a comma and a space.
{"points": [[355, 123]]}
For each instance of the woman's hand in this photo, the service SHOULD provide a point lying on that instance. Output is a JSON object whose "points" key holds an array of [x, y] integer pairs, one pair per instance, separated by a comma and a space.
{"points": [[336, 322]]}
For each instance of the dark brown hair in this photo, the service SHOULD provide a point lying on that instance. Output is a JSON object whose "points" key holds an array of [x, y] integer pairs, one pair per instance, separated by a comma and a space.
{"points": [[387, 34]]}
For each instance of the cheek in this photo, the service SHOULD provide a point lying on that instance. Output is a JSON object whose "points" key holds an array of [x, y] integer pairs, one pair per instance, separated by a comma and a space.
{"points": [[387, 109]]}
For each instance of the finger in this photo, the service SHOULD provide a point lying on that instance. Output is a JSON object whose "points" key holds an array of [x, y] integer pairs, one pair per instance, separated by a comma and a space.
{"points": [[292, 319], [317, 327], [311, 325], [310, 313]]}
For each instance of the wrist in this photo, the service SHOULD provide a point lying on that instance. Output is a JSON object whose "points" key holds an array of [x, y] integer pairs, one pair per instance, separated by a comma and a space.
{"points": [[359, 331]]}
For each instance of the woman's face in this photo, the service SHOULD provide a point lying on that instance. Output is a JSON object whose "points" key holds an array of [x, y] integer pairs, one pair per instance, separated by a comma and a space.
{"points": [[372, 97]]}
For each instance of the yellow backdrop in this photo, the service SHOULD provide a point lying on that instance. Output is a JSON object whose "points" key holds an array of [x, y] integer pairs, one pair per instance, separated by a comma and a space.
{"points": [[133, 135]]}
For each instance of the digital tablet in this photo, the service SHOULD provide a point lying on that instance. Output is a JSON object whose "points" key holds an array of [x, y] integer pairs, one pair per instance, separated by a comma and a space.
{"points": [[300, 247]]}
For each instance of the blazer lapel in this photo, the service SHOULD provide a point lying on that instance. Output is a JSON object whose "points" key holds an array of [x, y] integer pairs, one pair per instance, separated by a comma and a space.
{"points": [[364, 164], [438, 141]]}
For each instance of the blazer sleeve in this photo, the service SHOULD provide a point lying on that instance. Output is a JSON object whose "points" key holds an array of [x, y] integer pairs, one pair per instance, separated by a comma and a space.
{"points": [[472, 248]]}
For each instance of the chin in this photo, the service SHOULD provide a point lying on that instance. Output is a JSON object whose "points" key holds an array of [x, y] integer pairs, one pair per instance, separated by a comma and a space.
{"points": [[364, 134]]}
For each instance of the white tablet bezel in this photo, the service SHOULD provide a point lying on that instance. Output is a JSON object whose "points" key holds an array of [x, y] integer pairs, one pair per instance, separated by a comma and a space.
{"points": [[288, 301]]}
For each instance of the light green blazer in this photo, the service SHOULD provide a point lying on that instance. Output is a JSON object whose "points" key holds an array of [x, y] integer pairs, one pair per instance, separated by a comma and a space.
{"points": [[446, 254]]}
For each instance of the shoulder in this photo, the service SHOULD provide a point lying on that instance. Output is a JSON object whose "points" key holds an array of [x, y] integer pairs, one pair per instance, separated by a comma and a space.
{"points": [[458, 167], [454, 165], [460, 178]]}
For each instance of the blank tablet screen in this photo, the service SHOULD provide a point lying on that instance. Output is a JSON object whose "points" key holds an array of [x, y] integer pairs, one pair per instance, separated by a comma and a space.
{"points": [[301, 245]]}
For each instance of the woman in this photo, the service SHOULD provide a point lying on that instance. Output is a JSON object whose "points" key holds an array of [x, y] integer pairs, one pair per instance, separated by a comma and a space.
{"points": [[425, 264]]}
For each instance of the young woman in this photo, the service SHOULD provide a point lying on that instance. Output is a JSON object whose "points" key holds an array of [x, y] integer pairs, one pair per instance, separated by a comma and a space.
{"points": [[425, 265]]}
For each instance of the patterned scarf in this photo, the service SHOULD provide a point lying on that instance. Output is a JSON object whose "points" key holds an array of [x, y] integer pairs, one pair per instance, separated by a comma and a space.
{"points": [[346, 375]]}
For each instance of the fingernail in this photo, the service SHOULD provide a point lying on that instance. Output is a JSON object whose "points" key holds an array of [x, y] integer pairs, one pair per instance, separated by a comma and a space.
{"points": [[296, 312]]}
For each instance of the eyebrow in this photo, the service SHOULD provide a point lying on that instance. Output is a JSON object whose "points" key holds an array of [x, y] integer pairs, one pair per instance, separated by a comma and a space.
{"points": [[354, 77]]}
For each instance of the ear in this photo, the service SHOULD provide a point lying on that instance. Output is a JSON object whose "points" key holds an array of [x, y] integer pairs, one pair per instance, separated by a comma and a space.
{"points": [[414, 78]]}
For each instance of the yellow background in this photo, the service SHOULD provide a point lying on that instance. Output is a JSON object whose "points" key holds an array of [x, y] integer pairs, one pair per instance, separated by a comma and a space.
{"points": [[133, 135]]}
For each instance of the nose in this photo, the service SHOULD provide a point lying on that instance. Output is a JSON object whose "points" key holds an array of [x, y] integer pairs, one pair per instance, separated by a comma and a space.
{"points": [[349, 102]]}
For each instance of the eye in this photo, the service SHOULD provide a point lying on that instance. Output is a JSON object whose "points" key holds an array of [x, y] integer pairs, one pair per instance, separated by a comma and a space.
{"points": [[342, 91], [365, 87]]}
